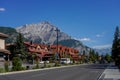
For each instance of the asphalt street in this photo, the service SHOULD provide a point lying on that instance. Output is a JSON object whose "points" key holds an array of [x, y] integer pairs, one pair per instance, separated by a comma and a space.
{"points": [[80, 72]]}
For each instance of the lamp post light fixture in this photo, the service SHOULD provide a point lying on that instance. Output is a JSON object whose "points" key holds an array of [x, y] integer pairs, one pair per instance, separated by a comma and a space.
{"points": [[57, 30]]}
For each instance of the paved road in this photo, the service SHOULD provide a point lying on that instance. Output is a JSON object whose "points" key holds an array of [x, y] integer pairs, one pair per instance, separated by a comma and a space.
{"points": [[82, 72]]}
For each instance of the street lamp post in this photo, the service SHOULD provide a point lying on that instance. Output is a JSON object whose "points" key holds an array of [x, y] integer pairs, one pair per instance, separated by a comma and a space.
{"points": [[57, 30]]}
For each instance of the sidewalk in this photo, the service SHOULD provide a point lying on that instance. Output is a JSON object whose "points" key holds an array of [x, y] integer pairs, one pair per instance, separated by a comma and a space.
{"points": [[111, 73]]}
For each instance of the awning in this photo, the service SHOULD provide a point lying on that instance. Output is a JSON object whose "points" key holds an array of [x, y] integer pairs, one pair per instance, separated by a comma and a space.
{"points": [[5, 51]]}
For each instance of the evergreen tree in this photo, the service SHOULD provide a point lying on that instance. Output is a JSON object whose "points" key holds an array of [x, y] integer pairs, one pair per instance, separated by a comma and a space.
{"points": [[108, 58], [20, 48], [97, 56], [92, 56], [116, 46]]}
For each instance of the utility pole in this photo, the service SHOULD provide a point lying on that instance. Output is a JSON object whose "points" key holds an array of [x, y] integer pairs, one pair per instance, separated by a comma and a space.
{"points": [[57, 30]]}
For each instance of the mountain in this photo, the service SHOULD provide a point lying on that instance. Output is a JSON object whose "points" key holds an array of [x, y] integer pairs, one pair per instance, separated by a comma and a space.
{"points": [[45, 32], [103, 51], [75, 44], [11, 32]]}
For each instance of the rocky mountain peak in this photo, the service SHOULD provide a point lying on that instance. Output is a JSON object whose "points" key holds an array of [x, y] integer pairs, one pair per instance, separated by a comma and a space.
{"points": [[42, 32]]}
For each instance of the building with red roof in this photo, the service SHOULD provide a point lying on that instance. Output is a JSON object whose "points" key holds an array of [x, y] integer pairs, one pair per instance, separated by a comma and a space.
{"points": [[45, 52]]}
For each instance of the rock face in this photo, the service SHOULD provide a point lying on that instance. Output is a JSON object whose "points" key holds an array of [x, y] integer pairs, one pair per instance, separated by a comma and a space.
{"points": [[43, 32]]}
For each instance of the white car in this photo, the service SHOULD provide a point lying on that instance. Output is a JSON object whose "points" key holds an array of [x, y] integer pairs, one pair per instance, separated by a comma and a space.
{"points": [[44, 61], [41, 62], [65, 61]]}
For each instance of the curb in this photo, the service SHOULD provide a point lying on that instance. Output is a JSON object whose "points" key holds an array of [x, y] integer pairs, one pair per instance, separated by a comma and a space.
{"points": [[102, 75], [15, 72]]}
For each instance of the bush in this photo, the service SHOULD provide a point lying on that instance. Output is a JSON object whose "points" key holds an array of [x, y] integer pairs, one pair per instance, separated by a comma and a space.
{"points": [[49, 66], [6, 66], [23, 68], [17, 64], [37, 64], [45, 64], [2, 70], [57, 63]]}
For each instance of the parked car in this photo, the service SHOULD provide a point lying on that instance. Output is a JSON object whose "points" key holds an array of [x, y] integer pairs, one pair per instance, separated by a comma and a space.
{"points": [[65, 61], [44, 61], [41, 62]]}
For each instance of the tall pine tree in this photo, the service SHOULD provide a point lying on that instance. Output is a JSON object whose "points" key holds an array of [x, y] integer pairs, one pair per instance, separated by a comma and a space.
{"points": [[20, 48], [116, 46]]}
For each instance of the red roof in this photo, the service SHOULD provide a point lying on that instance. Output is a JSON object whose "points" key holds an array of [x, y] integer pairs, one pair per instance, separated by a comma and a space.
{"points": [[52, 49]]}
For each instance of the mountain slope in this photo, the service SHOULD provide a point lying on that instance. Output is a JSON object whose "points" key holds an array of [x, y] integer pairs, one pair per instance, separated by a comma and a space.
{"points": [[45, 32], [9, 31], [103, 51], [75, 44]]}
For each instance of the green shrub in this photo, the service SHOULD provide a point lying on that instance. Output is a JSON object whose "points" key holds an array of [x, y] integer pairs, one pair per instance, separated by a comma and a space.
{"points": [[45, 64], [37, 64], [49, 66], [66, 64], [2, 70], [17, 64], [23, 68], [57, 63], [77, 63], [6, 66]]}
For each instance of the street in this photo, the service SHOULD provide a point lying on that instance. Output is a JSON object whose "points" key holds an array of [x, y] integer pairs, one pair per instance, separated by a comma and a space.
{"points": [[80, 72]]}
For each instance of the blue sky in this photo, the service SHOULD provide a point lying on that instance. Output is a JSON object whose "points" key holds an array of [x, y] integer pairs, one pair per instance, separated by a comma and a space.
{"points": [[91, 21]]}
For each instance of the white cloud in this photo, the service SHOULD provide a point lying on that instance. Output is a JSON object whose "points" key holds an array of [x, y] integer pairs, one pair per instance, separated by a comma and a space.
{"points": [[2, 9], [83, 39], [102, 46], [98, 35]]}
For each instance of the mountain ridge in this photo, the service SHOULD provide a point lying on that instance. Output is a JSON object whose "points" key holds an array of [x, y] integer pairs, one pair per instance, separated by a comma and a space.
{"points": [[103, 51], [70, 42], [45, 32], [11, 32]]}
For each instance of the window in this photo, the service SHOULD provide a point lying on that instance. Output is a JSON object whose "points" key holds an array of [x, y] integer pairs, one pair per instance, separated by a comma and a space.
{"points": [[38, 48]]}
